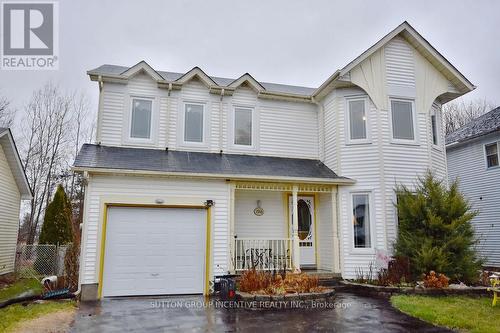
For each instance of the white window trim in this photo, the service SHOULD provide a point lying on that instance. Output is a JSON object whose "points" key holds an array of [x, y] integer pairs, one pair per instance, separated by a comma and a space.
{"points": [[204, 143], [371, 208], [127, 138], [232, 126], [486, 156], [350, 141], [415, 127], [436, 145]]}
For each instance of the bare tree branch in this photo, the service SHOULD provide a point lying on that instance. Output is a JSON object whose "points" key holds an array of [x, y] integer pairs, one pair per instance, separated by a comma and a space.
{"points": [[52, 132], [6, 113], [460, 113]]}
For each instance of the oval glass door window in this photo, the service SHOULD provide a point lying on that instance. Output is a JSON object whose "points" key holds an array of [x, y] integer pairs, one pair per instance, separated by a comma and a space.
{"points": [[304, 220]]}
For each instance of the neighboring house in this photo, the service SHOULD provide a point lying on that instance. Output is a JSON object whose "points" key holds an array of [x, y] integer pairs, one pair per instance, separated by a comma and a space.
{"points": [[473, 158], [195, 176], [13, 188]]}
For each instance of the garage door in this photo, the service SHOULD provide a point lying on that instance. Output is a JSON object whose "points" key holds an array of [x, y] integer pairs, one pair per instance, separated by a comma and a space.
{"points": [[154, 251]]}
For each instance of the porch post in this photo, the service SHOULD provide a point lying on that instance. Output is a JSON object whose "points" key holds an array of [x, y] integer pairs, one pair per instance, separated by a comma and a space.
{"points": [[336, 242], [232, 258], [295, 230]]}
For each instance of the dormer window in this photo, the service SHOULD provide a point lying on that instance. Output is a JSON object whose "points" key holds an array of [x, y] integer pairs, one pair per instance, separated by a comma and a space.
{"points": [[243, 126], [140, 124], [193, 122]]}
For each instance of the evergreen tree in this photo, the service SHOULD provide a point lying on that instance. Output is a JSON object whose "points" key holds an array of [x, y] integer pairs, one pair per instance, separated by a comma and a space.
{"points": [[56, 227], [435, 230]]}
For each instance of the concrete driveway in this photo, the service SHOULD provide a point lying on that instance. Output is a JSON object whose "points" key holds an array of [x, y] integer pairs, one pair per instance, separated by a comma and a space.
{"points": [[350, 313]]}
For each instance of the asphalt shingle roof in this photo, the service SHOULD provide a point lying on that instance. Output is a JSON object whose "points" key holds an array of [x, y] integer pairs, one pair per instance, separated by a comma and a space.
{"points": [[222, 81], [96, 156], [485, 124]]}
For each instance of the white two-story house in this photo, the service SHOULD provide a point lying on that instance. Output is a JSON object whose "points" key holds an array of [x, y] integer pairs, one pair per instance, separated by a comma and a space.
{"points": [[194, 176]]}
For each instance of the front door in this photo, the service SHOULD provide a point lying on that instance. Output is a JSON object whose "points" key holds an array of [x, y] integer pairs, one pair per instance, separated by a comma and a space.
{"points": [[305, 208]]}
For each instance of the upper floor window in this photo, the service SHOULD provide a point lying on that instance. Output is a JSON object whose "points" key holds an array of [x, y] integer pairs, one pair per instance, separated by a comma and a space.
{"points": [[361, 220], [403, 122], [243, 126], [434, 129], [491, 154], [357, 120], [193, 122], [140, 124]]}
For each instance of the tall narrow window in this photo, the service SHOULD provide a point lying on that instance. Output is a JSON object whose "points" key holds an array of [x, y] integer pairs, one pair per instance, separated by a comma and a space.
{"points": [[434, 129], [357, 120], [243, 126], [361, 220], [402, 120], [140, 124], [491, 155], [193, 123]]}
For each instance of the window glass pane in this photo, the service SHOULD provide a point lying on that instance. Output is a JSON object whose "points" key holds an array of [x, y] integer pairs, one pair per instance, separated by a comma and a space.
{"points": [[357, 119], [243, 126], [402, 120], [193, 123], [434, 129], [361, 220], [141, 119], [492, 155]]}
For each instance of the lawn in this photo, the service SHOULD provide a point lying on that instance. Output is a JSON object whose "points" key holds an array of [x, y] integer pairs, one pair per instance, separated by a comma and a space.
{"points": [[17, 313], [472, 314], [19, 287], [12, 315]]}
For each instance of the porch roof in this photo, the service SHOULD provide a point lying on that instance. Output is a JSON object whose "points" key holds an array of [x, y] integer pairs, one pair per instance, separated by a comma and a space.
{"points": [[101, 158]]}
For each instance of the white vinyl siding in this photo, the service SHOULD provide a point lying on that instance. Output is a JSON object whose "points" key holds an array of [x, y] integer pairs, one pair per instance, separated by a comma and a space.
{"points": [[466, 162], [145, 190], [324, 227], [273, 224], [400, 68], [279, 128], [10, 200]]}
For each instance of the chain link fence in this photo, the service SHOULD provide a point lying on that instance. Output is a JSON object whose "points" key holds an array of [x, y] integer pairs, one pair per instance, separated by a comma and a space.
{"points": [[36, 261]]}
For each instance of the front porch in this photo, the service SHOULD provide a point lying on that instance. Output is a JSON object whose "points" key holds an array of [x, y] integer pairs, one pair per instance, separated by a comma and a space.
{"points": [[281, 226]]}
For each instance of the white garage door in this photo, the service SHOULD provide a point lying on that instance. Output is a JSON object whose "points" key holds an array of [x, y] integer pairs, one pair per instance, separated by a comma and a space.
{"points": [[154, 251]]}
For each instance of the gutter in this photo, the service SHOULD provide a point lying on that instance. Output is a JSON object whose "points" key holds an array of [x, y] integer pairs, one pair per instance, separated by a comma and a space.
{"points": [[215, 89], [284, 179]]}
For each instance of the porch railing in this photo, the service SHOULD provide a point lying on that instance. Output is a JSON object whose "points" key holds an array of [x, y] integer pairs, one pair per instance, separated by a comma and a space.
{"points": [[263, 254]]}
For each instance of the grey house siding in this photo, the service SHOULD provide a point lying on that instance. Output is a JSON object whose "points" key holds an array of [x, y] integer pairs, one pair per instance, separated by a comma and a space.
{"points": [[482, 188]]}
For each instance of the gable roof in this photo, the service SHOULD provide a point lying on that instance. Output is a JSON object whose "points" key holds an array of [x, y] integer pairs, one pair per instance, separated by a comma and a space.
{"points": [[12, 156], [405, 30], [483, 125], [420, 44], [213, 165]]}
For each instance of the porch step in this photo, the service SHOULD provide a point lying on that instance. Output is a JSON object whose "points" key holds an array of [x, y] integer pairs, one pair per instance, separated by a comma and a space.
{"points": [[325, 278]]}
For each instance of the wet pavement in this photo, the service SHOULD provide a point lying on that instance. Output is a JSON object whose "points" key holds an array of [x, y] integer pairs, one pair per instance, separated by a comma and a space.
{"points": [[347, 313]]}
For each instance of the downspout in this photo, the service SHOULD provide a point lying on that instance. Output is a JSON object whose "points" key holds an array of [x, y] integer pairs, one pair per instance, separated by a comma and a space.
{"points": [[167, 135], [321, 129], [99, 109], [221, 122]]}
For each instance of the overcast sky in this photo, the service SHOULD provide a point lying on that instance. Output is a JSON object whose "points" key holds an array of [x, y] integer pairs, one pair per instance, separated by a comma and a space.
{"points": [[291, 42]]}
